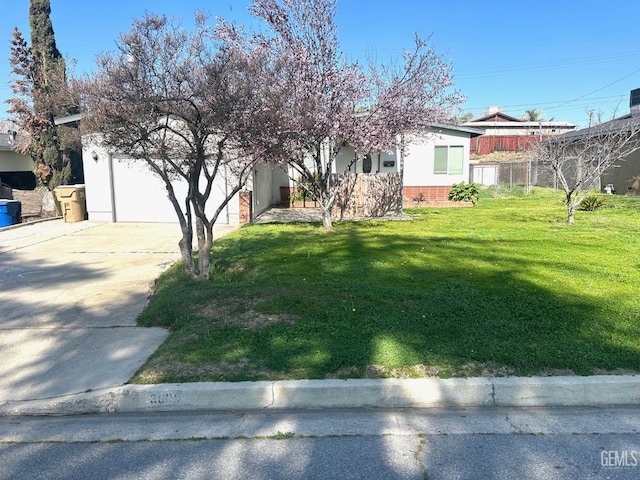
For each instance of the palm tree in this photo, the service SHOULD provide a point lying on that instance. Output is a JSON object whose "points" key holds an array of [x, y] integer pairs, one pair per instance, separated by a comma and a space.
{"points": [[533, 116]]}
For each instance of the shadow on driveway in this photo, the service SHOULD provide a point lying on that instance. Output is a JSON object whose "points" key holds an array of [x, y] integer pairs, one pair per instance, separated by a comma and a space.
{"points": [[69, 298]]}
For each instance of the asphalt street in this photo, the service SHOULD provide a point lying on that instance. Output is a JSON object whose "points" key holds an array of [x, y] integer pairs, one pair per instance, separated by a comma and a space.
{"points": [[489, 443]]}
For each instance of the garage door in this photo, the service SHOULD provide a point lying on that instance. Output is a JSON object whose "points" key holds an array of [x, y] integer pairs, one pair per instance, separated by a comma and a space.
{"points": [[140, 195]]}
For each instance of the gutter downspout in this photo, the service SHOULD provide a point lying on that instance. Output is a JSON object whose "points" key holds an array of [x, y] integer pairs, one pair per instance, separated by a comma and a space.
{"points": [[254, 197], [111, 188]]}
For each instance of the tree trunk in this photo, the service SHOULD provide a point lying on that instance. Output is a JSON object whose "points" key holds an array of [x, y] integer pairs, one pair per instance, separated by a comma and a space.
{"points": [[200, 235], [56, 203], [325, 204], [205, 242], [204, 261], [571, 210], [326, 218], [186, 251]]}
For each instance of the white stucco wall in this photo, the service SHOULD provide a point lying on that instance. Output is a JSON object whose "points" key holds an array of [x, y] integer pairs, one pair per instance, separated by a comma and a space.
{"points": [[265, 185], [124, 190], [344, 158], [346, 155], [388, 157], [419, 159]]}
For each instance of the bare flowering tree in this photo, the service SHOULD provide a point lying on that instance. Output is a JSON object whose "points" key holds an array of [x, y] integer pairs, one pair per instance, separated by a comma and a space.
{"points": [[190, 105], [578, 159], [324, 103]]}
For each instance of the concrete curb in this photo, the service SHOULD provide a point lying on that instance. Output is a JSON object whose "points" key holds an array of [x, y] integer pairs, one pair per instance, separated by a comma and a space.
{"points": [[27, 223], [567, 391], [317, 394]]}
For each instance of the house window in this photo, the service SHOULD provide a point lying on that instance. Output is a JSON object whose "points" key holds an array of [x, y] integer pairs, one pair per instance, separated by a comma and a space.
{"points": [[448, 160], [366, 164]]}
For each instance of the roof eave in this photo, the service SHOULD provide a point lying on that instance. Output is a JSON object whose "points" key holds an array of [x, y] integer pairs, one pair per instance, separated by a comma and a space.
{"points": [[67, 119], [474, 132]]}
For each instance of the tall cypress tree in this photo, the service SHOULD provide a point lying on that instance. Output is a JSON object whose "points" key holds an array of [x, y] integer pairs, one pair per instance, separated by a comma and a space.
{"points": [[48, 62], [41, 74], [48, 80]]}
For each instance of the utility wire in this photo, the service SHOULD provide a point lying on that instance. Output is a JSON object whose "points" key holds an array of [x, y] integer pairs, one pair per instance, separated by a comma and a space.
{"points": [[597, 90]]}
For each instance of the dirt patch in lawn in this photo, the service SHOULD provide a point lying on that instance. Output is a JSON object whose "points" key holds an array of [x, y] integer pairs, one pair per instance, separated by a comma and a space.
{"points": [[473, 369], [156, 372], [243, 316]]}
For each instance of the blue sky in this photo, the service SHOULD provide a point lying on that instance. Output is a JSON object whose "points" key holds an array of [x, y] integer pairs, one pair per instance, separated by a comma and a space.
{"points": [[564, 57]]}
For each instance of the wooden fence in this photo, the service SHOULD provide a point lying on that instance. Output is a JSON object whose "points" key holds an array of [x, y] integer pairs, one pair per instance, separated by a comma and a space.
{"points": [[486, 144], [367, 195]]}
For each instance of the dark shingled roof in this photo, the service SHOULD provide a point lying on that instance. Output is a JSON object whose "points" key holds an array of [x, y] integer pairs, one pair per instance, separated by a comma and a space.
{"points": [[625, 122]]}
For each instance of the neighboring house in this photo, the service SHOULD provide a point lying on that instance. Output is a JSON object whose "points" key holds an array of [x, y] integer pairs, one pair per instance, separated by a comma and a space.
{"points": [[625, 174], [504, 133], [497, 154], [16, 170]]}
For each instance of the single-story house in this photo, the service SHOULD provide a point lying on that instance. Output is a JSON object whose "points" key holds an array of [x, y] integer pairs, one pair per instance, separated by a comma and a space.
{"points": [[120, 189], [504, 133], [16, 170], [432, 163], [624, 175]]}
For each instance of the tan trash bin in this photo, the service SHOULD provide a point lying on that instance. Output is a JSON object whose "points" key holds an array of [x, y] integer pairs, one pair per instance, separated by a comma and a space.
{"points": [[72, 201]]}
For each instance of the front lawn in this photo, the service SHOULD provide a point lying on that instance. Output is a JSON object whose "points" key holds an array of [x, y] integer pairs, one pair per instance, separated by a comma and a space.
{"points": [[504, 288]]}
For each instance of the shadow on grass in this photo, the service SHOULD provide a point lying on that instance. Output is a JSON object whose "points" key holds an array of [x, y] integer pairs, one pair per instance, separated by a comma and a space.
{"points": [[375, 301]]}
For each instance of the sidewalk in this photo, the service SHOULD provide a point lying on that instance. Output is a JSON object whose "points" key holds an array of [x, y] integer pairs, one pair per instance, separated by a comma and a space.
{"points": [[69, 298]]}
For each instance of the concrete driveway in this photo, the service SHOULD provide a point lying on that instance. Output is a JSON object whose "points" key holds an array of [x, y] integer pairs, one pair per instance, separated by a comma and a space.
{"points": [[69, 297]]}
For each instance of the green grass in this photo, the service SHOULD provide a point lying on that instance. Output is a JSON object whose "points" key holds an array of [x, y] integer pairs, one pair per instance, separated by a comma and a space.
{"points": [[504, 288]]}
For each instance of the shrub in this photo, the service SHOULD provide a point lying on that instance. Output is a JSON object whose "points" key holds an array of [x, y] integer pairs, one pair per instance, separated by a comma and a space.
{"points": [[591, 203], [462, 192]]}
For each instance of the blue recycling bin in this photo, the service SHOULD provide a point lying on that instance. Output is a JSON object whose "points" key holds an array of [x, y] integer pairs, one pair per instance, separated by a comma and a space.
{"points": [[9, 212]]}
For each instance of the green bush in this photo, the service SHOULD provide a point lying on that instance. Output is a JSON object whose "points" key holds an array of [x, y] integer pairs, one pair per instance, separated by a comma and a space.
{"points": [[591, 203], [463, 192]]}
